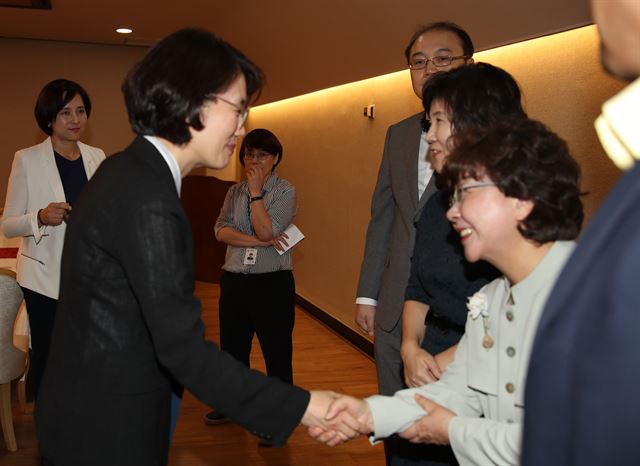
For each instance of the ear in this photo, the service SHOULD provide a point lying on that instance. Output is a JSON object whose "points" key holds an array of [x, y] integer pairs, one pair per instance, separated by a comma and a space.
{"points": [[470, 61], [523, 208]]}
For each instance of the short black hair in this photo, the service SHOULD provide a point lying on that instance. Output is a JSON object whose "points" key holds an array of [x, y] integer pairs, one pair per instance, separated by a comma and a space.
{"points": [[526, 161], [164, 92], [475, 96], [264, 140], [53, 97], [465, 39]]}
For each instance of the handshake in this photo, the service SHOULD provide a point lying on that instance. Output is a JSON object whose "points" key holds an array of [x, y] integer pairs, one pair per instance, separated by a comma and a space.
{"points": [[334, 419]]}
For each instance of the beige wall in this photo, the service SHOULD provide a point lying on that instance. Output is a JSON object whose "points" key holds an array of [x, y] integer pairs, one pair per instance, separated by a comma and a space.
{"points": [[332, 152]]}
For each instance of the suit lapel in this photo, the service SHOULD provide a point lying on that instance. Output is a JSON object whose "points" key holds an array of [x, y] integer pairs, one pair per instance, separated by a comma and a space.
{"points": [[88, 160], [428, 191], [412, 146], [51, 171]]}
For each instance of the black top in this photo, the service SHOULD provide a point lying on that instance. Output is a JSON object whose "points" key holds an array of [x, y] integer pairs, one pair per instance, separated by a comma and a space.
{"points": [[72, 175], [441, 277]]}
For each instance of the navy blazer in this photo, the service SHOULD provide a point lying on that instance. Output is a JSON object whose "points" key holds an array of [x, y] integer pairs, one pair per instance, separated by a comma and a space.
{"points": [[582, 403], [128, 325]]}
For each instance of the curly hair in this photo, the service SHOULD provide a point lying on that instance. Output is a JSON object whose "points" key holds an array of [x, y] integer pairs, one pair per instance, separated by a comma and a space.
{"points": [[526, 161]]}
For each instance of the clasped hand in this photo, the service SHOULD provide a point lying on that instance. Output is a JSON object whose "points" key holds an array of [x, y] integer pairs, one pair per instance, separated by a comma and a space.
{"points": [[347, 417]]}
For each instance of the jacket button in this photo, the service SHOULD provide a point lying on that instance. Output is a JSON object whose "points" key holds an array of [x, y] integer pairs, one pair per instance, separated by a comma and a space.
{"points": [[511, 352], [509, 316], [510, 387]]}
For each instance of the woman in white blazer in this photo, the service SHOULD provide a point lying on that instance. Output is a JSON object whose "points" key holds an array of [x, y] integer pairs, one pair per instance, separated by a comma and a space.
{"points": [[44, 183]]}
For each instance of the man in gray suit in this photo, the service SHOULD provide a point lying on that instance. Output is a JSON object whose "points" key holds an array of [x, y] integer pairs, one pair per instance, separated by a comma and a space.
{"points": [[404, 185]]}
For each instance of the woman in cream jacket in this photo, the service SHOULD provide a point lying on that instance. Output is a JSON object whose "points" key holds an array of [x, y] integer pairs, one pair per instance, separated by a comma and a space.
{"points": [[44, 183]]}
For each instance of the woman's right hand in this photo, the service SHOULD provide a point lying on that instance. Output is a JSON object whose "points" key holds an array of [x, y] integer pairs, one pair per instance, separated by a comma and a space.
{"points": [[420, 367], [54, 214]]}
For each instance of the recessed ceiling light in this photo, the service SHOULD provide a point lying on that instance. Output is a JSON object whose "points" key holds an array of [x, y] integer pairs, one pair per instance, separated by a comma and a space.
{"points": [[124, 30]]}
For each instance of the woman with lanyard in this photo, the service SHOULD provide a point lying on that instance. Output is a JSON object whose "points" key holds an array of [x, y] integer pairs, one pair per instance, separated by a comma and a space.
{"points": [[257, 289], [44, 183]]}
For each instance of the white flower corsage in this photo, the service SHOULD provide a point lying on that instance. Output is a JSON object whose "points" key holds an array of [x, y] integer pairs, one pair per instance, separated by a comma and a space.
{"points": [[478, 305]]}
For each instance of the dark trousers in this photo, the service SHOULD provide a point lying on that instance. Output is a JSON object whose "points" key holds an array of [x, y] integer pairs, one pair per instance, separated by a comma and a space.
{"points": [[261, 304], [42, 314]]}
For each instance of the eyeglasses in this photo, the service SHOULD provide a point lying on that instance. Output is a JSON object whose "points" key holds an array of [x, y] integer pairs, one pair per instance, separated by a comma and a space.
{"points": [[418, 63], [458, 193], [258, 155], [242, 112]]}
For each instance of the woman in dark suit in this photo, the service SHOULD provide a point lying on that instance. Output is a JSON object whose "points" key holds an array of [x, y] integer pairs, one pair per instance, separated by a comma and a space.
{"points": [[44, 184], [128, 327]]}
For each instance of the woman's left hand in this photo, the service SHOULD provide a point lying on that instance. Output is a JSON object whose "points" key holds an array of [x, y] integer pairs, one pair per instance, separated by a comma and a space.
{"points": [[432, 428]]}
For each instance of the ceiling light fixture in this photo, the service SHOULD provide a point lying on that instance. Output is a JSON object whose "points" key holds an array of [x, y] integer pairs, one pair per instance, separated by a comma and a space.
{"points": [[124, 30]]}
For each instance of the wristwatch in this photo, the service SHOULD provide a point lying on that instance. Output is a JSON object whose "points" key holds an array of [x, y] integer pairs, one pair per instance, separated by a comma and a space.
{"points": [[255, 198]]}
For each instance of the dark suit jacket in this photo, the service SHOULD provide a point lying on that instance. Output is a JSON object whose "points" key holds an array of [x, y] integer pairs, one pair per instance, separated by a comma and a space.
{"points": [[582, 389], [395, 209], [128, 325]]}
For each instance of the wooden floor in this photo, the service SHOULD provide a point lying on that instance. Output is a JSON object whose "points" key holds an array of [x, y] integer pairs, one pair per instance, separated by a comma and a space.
{"points": [[321, 360]]}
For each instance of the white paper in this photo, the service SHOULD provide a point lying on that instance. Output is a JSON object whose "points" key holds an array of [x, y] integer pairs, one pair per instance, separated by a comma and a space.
{"points": [[294, 237]]}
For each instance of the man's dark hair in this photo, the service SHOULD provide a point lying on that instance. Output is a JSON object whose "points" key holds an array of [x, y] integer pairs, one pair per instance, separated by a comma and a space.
{"points": [[53, 97], [164, 93], [465, 40], [475, 96], [526, 161]]}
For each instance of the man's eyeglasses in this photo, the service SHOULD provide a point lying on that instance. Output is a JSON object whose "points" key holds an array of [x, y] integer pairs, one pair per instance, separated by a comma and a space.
{"points": [[256, 155], [242, 112], [418, 63], [459, 193]]}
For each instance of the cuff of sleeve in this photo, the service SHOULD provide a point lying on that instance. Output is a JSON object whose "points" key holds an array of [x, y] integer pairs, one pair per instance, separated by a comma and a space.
{"points": [[368, 301], [393, 414], [38, 231]]}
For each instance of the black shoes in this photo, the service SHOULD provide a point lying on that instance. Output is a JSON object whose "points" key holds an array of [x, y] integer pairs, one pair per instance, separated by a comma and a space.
{"points": [[214, 418]]}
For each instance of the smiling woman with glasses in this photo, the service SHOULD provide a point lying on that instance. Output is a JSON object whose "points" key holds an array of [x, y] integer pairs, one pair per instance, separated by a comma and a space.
{"points": [[525, 225], [434, 311], [257, 289]]}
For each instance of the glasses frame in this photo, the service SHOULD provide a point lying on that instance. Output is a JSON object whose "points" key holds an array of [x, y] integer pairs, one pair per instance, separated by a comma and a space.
{"points": [[243, 112], [447, 58], [457, 195], [260, 157]]}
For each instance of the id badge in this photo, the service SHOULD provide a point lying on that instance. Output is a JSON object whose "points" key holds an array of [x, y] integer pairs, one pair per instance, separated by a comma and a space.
{"points": [[250, 255]]}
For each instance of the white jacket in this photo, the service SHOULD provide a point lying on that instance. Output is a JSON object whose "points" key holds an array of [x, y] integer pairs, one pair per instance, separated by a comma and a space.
{"points": [[33, 184]]}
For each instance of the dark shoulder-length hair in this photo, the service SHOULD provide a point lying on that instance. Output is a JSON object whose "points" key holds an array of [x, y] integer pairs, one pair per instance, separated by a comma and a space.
{"points": [[264, 140], [53, 97], [475, 96], [526, 161], [164, 93]]}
